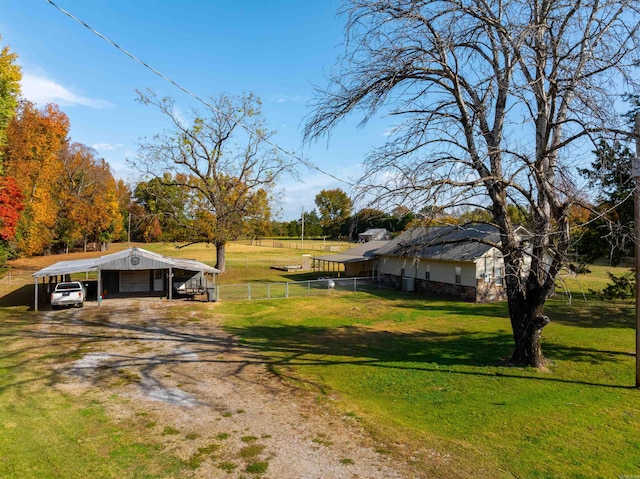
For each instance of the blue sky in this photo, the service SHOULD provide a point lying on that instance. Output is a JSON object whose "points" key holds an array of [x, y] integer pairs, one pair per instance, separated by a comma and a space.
{"points": [[278, 49]]}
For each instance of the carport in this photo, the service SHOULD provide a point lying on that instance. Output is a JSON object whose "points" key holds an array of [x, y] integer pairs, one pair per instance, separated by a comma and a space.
{"points": [[357, 261], [134, 271]]}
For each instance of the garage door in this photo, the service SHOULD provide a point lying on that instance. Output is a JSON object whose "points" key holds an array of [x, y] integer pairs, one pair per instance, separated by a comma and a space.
{"points": [[134, 281]]}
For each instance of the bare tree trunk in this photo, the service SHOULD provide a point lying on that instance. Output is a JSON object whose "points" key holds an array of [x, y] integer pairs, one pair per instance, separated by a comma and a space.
{"points": [[527, 331], [220, 256], [526, 311]]}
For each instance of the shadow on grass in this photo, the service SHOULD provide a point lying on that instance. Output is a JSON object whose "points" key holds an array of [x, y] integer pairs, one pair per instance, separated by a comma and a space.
{"points": [[53, 342], [463, 352], [22, 296], [118, 346], [592, 313]]}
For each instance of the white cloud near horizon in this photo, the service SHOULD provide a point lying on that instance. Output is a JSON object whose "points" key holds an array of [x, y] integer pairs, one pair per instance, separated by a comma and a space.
{"points": [[107, 146], [41, 90]]}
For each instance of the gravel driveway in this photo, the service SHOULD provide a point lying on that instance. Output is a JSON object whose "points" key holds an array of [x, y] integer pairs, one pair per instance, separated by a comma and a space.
{"points": [[209, 399]]}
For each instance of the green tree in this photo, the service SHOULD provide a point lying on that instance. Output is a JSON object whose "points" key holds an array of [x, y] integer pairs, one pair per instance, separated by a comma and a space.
{"points": [[610, 229], [312, 224], [166, 206], [335, 208], [228, 165]]}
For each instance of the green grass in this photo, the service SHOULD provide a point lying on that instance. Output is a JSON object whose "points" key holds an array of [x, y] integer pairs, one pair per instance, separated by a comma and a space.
{"points": [[251, 451], [426, 376], [258, 467], [431, 374]]}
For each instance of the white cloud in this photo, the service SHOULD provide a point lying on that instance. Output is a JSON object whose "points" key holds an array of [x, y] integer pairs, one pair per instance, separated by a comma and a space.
{"points": [[288, 99], [41, 90], [106, 146]]}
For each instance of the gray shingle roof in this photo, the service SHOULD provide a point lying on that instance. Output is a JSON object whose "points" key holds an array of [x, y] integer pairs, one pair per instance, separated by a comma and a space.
{"points": [[452, 243]]}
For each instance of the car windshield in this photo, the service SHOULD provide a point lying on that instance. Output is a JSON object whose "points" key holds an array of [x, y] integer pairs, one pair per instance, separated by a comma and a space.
{"points": [[68, 286]]}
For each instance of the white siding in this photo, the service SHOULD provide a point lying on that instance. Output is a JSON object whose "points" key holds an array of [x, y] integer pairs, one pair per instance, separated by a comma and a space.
{"points": [[488, 263], [441, 271]]}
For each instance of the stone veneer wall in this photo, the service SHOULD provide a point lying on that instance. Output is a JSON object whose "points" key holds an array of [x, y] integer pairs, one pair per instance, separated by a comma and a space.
{"points": [[488, 292], [484, 292]]}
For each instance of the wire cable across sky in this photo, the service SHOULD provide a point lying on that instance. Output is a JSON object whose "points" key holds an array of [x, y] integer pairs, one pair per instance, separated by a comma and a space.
{"points": [[197, 97]]}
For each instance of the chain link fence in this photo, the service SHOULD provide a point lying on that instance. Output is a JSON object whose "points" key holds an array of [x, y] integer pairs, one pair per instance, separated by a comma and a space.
{"points": [[12, 281], [293, 289]]}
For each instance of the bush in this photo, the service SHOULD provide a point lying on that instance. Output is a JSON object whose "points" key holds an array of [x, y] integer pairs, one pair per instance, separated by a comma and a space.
{"points": [[621, 287]]}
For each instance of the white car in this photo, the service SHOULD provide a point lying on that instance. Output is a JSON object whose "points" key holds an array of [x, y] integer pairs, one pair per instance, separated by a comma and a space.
{"points": [[69, 293]]}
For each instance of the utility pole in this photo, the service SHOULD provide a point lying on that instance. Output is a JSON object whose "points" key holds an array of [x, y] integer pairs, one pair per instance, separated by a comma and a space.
{"points": [[635, 170], [302, 246]]}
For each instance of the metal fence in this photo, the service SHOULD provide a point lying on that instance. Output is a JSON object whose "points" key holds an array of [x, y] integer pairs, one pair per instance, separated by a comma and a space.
{"points": [[12, 281], [293, 289], [252, 291]]}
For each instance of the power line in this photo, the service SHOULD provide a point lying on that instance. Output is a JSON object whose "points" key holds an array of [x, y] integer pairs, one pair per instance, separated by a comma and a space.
{"points": [[197, 97]]}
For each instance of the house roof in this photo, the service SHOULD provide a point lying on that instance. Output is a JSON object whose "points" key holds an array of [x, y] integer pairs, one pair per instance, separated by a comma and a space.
{"points": [[374, 231], [103, 262], [446, 243], [362, 252]]}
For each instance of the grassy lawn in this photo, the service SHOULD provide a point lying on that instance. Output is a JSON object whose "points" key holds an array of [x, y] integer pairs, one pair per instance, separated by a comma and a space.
{"points": [[426, 376]]}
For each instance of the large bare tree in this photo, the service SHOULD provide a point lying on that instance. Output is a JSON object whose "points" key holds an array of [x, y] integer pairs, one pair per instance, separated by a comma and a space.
{"points": [[494, 100], [224, 159]]}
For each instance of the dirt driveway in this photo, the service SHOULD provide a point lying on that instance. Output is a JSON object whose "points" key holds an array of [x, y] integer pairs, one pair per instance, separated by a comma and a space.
{"points": [[207, 398]]}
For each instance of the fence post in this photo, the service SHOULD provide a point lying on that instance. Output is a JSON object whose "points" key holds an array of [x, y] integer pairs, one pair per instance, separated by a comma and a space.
{"points": [[249, 291], [286, 289], [268, 291], [355, 288], [308, 288]]}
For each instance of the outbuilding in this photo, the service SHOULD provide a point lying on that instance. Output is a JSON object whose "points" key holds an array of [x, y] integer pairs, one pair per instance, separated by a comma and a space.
{"points": [[134, 271], [357, 261]]}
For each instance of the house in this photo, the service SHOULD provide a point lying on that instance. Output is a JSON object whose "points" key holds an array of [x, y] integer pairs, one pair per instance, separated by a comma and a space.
{"points": [[133, 271], [357, 262], [454, 261], [375, 234]]}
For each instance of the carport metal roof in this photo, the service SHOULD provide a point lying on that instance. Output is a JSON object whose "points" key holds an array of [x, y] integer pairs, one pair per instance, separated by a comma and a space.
{"points": [[362, 252], [94, 264]]}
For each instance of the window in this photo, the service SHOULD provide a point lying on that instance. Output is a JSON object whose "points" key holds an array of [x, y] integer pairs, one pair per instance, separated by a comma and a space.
{"points": [[427, 272], [499, 276], [458, 275]]}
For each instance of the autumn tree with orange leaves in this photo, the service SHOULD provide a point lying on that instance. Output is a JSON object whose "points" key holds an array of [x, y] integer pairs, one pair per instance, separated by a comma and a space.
{"points": [[86, 198], [34, 140], [11, 197]]}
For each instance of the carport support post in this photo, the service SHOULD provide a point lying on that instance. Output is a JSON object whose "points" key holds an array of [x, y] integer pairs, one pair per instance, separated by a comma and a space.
{"points": [[99, 292], [35, 300], [170, 296]]}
